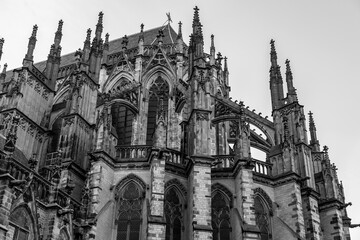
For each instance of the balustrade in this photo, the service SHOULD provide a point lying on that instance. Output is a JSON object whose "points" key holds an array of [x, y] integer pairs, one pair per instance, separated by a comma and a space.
{"points": [[132, 153], [262, 167]]}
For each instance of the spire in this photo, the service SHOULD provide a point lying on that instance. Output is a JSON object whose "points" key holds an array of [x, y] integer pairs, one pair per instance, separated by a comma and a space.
{"points": [[141, 36], [31, 46], [88, 37], [1, 46], [276, 82], [314, 142], [99, 26], [197, 38], [289, 80], [106, 44], [212, 51], [273, 55], [86, 48], [3, 76], [58, 34], [179, 36]]}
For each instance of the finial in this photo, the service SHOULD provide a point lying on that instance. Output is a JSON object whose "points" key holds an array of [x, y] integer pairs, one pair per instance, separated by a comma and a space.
{"points": [[180, 31], [311, 119], [212, 41], [287, 62], [100, 20], [272, 43], [61, 22], [219, 58], [196, 22], [88, 34], [35, 28], [225, 64], [326, 149], [125, 42], [107, 38], [1, 43], [141, 36], [4, 68]]}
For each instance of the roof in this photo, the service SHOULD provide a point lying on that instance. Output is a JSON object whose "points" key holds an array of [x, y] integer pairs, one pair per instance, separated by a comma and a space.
{"points": [[116, 46]]}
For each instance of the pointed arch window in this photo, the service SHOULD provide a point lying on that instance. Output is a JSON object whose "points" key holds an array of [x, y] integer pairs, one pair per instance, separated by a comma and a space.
{"points": [[122, 118], [159, 91], [173, 215], [220, 211], [129, 214], [262, 217], [20, 225]]}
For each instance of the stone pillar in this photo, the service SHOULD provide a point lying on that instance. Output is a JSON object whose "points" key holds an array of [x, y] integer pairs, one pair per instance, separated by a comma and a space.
{"points": [[201, 198], [6, 198], [331, 220], [156, 220], [311, 213], [245, 199], [288, 199]]}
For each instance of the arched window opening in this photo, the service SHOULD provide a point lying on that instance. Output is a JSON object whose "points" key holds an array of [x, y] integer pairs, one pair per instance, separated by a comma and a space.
{"points": [[220, 211], [122, 119], [20, 225], [129, 215], [173, 213], [262, 218], [159, 91], [56, 131]]}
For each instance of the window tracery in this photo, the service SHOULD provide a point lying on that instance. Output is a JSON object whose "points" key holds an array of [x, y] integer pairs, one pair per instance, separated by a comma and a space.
{"points": [[220, 211], [173, 215], [262, 217], [20, 225], [158, 92], [129, 213]]}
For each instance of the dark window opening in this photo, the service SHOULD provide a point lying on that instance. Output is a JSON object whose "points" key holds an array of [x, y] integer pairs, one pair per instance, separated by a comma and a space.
{"points": [[122, 119], [262, 219], [173, 213]]}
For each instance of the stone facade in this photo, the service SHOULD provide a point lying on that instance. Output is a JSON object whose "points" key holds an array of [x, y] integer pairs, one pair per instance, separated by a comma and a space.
{"points": [[137, 138]]}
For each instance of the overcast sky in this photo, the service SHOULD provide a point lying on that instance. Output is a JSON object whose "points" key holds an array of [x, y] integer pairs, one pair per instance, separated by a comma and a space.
{"points": [[321, 38]]}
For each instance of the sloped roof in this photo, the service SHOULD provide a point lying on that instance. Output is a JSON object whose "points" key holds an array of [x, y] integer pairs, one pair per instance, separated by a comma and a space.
{"points": [[116, 46]]}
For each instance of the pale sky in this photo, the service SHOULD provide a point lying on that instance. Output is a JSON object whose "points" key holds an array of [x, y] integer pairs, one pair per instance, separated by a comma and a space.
{"points": [[321, 38]]}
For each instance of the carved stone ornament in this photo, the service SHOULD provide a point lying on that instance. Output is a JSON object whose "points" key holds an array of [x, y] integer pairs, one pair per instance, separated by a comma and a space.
{"points": [[202, 116]]}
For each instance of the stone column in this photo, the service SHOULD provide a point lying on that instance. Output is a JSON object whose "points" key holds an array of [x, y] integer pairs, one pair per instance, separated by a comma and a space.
{"points": [[311, 213]]}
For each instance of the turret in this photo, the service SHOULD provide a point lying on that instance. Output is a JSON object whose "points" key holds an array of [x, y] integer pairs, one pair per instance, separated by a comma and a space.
{"points": [[28, 60], [314, 142], [276, 82], [99, 27], [54, 57], [291, 95]]}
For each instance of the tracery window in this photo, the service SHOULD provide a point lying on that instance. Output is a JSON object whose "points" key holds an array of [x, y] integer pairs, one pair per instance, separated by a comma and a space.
{"points": [[173, 215], [158, 94], [220, 211], [129, 215], [20, 225], [262, 218], [122, 119]]}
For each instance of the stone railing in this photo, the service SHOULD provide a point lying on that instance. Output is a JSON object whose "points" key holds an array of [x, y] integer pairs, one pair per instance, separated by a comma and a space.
{"points": [[262, 167], [175, 156], [223, 161], [132, 153]]}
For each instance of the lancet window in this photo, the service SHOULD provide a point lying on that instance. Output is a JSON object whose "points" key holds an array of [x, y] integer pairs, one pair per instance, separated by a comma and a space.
{"points": [[158, 95], [20, 225], [173, 215], [220, 211], [262, 218], [122, 119], [129, 216]]}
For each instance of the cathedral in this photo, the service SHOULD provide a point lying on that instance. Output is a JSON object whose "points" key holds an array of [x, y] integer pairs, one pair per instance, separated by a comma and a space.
{"points": [[137, 138]]}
